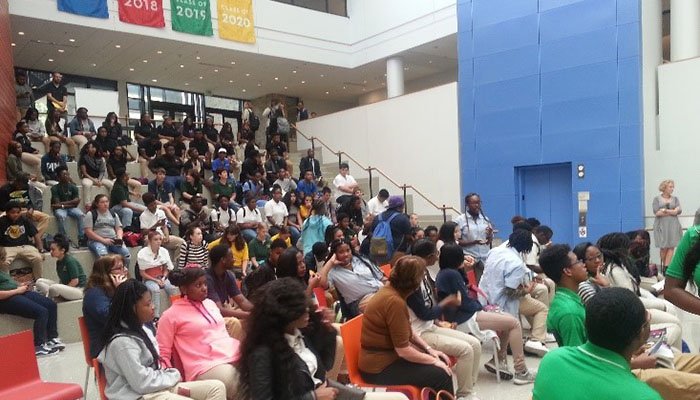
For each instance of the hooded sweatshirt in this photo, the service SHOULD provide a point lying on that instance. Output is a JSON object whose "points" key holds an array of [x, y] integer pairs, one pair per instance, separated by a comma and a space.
{"points": [[197, 333], [314, 230], [130, 369]]}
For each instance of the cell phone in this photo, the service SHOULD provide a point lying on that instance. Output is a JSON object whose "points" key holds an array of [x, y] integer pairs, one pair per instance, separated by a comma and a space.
{"points": [[117, 242]]}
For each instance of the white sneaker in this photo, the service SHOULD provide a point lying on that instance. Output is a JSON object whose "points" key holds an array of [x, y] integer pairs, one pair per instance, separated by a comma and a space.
{"points": [[523, 378], [535, 347], [550, 338]]}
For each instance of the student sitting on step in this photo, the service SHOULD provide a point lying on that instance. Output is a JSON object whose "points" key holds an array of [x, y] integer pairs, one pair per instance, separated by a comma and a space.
{"points": [[15, 233], [65, 202], [70, 273]]}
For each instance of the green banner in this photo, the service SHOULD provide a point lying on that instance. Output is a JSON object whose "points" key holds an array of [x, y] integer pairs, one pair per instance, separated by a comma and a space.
{"points": [[191, 16]]}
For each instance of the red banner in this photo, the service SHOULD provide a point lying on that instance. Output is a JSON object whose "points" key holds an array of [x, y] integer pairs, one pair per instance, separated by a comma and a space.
{"points": [[142, 12]]}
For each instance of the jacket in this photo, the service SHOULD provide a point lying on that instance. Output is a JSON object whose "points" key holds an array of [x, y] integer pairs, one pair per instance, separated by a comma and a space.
{"points": [[299, 385], [95, 310], [130, 368], [312, 164], [76, 125], [314, 230]]}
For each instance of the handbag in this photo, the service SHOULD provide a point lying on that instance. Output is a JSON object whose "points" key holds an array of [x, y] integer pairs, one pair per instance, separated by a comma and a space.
{"points": [[346, 392]]}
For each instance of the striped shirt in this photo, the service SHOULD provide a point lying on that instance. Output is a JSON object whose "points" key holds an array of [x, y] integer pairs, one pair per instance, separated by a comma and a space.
{"points": [[193, 254]]}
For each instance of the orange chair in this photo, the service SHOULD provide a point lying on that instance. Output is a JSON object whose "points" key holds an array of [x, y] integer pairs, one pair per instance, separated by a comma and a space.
{"points": [[174, 298], [86, 350], [386, 269], [100, 377], [320, 297], [351, 332], [20, 373]]}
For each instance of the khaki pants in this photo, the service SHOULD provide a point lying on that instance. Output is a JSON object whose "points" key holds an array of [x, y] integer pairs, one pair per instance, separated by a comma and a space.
{"points": [[509, 331], [87, 186], [27, 253], [196, 390], [466, 348], [143, 165], [32, 160], [174, 243], [544, 291], [70, 143], [683, 383], [40, 219], [79, 140], [53, 289], [536, 314], [225, 373]]}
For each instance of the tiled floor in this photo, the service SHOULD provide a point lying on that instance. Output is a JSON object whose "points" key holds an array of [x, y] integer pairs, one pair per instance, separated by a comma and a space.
{"points": [[69, 366]]}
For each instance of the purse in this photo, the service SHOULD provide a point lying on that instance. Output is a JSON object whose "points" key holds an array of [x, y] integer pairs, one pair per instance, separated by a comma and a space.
{"points": [[346, 392]]}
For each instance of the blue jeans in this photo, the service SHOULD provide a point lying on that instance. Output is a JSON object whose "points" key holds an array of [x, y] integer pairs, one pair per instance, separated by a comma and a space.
{"points": [[155, 289], [126, 214], [76, 214], [249, 234], [37, 307], [295, 234], [175, 181], [100, 250]]}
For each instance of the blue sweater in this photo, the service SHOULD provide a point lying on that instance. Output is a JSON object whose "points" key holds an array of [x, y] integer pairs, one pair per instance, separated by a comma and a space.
{"points": [[451, 281], [96, 310]]}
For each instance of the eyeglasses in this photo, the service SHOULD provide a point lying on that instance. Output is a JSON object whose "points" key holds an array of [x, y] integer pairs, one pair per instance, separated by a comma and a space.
{"points": [[576, 263], [594, 258], [118, 268]]}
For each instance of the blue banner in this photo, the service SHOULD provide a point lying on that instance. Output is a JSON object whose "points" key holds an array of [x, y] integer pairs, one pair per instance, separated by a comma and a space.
{"points": [[89, 8]]}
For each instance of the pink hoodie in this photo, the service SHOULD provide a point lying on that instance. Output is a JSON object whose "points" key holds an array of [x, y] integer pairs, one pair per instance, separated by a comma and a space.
{"points": [[197, 333]]}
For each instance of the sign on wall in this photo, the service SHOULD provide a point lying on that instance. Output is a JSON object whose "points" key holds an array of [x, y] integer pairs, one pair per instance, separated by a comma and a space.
{"points": [[236, 20], [142, 12], [191, 16], [89, 8]]}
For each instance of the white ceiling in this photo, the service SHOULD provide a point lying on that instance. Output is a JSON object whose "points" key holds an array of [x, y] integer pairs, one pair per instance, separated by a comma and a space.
{"points": [[205, 69]]}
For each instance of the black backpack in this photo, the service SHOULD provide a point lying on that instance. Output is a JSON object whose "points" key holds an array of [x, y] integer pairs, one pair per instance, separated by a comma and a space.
{"points": [[253, 121]]}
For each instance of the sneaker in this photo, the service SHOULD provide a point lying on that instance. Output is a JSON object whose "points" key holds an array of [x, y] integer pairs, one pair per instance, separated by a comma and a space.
{"points": [[550, 338], [505, 373], [525, 377], [535, 347], [471, 396], [42, 351], [56, 344], [82, 242]]}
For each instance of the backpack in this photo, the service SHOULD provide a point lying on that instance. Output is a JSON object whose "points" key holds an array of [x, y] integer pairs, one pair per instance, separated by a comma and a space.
{"points": [[253, 121], [94, 216], [231, 218], [381, 245], [282, 125]]}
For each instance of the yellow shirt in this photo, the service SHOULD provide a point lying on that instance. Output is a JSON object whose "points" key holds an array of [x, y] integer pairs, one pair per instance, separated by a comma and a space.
{"points": [[277, 236], [238, 255]]}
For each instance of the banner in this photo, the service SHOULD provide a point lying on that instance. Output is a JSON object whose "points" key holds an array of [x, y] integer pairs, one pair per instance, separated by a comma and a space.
{"points": [[142, 12], [191, 16], [236, 20], [89, 8]]}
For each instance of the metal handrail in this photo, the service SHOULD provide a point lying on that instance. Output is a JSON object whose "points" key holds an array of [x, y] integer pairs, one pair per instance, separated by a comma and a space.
{"points": [[444, 208]]}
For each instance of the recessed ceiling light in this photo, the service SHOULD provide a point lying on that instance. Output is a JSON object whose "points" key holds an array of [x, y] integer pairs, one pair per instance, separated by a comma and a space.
{"points": [[154, 80], [20, 33], [243, 90], [230, 81], [344, 88], [131, 69], [363, 89], [182, 66], [159, 51], [430, 61], [198, 57], [259, 84], [71, 40], [50, 59], [118, 46], [61, 50], [303, 82], [233, 63], [294, 71], [145, 61], [216, 70], [322, 75], [201, 77], [327, 92], [276, 78], [247, 74], [285, 88], [14, 44], [187, 84], [94, 65]]}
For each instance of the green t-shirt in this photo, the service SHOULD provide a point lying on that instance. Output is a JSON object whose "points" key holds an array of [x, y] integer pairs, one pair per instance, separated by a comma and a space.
{"points": [[567, 318], [120, 192], [227, 189], [588, 372], [68, 269], [676, 268], [7, 282], [259, 250], [187, 187], [61, 193]]}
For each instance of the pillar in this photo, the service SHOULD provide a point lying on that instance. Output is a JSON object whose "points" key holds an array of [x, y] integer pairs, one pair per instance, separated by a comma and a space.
{"points": [[394, 77], [685, 29], [7, 84]]}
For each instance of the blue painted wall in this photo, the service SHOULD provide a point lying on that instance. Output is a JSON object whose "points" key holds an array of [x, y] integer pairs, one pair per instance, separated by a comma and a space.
{"points": [[553, 81]]}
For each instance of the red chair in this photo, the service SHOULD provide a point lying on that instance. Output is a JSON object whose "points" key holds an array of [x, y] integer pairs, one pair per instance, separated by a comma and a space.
{"points": [[86, 350], [174, 298], [100, 377], [351, 332], [20, 373], [386, 269], [320, 297]]}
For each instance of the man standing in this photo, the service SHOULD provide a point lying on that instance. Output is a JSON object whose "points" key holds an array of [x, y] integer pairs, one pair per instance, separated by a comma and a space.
{"points": [[64, 202], [302, 112], [344, 184], [378, 204], [24, 98], [57, 96]]}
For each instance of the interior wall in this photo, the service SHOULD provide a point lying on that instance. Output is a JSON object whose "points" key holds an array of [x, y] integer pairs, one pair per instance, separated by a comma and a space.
{"points": [[7, 88], [396, 137], [546, 82], [412, 86]]}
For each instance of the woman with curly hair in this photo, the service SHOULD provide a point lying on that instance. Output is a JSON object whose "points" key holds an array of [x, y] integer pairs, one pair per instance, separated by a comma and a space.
{"points": [[130, 357], [289, 347]]}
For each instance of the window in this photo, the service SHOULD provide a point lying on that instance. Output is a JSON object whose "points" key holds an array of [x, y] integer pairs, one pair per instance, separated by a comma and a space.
{"points": [[335, 7]]}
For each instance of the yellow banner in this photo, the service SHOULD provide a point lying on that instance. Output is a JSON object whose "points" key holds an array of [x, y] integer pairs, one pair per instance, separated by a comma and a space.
{"points": [[236, 20]]}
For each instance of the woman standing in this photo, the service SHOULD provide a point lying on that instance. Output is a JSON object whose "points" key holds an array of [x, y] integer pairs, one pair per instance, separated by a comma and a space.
{"points": [[477, 232], [154, 266], [130, 357], [667, 228]]}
